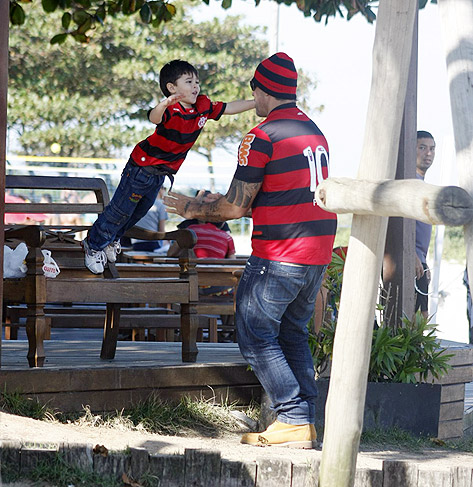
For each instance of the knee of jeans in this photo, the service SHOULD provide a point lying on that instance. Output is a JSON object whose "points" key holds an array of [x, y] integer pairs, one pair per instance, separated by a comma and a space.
{"points": [[116, 216]]}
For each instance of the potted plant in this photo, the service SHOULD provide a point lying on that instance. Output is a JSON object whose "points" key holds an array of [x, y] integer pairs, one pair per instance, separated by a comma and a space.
{"points": [[403, 360]]}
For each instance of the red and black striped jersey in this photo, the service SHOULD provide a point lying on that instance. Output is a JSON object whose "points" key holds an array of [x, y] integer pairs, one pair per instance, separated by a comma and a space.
{"points": [[176, 134], [288, 154]]}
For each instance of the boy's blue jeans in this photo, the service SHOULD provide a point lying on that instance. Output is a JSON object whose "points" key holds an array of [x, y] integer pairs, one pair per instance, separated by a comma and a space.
{"points": [[134, 196], [274, 303]]}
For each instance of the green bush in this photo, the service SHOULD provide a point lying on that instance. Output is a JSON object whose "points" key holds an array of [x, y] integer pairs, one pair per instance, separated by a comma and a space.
{"points": [[408, 353]]}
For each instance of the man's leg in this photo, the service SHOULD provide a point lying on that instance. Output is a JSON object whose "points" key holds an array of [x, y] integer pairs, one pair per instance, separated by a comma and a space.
{"points": [[293, 338]]}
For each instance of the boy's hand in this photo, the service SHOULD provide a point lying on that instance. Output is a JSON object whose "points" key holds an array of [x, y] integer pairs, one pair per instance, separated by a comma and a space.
{"points": [[171, 100]]}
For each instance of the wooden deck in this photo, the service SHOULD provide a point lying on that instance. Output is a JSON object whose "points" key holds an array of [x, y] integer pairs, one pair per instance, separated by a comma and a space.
{"points": [[74, 375]]}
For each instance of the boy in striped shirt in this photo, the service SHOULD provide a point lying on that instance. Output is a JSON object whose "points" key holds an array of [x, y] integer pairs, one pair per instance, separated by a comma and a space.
{"points": [[179, 119]]}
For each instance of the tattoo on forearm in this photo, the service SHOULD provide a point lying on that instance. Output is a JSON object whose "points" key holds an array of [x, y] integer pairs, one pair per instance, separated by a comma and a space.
{"points": [[241, 193]]}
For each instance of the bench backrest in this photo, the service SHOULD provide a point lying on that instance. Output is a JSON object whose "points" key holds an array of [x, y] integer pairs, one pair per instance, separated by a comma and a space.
{"points": [[30, 183]]}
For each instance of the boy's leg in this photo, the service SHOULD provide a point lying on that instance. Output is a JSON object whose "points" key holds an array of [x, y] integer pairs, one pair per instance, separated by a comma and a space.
{"points": [[119, 214]]}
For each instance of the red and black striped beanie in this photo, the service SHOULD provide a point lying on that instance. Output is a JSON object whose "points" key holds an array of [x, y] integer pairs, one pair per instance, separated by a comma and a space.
{"points": [[277, 76]]}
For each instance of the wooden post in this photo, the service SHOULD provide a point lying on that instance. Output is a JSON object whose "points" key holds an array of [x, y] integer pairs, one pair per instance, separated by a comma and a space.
{"points": [[456, 20], [347, 390], [4, 21], [399, 253]]}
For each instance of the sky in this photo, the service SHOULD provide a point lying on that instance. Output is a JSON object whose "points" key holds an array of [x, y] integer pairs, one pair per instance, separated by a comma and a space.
{"points": [[338, 56]]}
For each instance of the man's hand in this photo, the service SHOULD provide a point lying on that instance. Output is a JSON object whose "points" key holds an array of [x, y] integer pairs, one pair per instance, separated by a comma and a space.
{"points": [[419, 268], [179, 204]]}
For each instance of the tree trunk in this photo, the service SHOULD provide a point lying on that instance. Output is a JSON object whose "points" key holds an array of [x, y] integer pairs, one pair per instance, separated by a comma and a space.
{"points": [[347, 390], [456, 20]]}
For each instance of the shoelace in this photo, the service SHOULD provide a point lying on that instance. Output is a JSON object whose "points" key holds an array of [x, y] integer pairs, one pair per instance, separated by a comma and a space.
{"points": [[117, 246], [99, 256]]}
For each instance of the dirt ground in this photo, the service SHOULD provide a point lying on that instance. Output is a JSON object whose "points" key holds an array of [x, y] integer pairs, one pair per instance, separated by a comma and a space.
{"points": [[38, 433]]}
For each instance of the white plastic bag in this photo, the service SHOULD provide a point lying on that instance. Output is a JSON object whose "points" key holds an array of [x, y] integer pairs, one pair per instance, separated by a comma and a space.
{"points": [[50, 268], [14, 261]]}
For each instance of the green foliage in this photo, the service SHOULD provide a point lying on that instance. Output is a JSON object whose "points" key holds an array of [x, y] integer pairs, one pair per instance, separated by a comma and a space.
{"points": [[15, 403], [92, 100], [59, 473], [409, 353], [88, 15]]}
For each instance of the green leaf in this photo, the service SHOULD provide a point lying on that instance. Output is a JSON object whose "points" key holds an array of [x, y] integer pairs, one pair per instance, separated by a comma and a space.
{"points": [[226, 4], [66, 20], [58, 39], [17, 14], [145, 13], [49, 5], [85, 26], [80, 16]]}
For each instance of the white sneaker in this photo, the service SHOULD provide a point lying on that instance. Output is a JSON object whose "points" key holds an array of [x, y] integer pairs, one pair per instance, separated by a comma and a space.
{"points": [[112, 250], [95, 260]]}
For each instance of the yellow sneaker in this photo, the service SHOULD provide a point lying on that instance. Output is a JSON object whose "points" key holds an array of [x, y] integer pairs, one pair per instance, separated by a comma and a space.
{"points": [[283, 434]]}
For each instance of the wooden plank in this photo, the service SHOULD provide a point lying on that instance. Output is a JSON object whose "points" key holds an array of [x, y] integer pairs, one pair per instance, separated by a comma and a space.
{"points": [[238, 474], [139, 462], [112, 465], [202, 468], [450, 429], [452, 392], [91, 379], [462, 477], [397, 473], [168, 470], [306, 474], [461, 356], [428, 478], [456, 375], [79, 456], [31, 457], [273, 472], [366, 477], [451, 410], [122, 290]]}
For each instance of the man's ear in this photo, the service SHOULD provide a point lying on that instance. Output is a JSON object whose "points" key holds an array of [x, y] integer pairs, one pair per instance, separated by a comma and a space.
{"points": [[171, 88]]}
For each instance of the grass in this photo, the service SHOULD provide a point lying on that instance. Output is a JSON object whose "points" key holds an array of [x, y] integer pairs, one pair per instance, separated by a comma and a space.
{"points": [[396, 438], [60, 474], [188, 417]]}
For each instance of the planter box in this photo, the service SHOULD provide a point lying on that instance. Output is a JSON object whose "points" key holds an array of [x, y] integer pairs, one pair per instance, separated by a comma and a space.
{"points": [[411, 407]]}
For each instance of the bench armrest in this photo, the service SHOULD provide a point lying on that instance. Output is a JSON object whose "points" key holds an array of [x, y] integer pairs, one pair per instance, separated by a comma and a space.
{"points": [[185, 238], [32, 235]]}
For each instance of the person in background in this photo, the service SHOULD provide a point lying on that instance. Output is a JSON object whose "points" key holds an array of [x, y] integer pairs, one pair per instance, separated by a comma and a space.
{"points": [[425, 158], [280, 163], [154, 220]]}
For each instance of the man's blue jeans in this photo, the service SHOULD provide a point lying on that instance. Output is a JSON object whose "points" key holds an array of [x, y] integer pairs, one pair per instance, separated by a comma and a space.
{"points": [[134, 196], [274, 303]]}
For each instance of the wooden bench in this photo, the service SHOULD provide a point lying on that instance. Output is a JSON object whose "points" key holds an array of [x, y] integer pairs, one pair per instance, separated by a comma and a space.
{"points": [[81, 286], [210, 272]]}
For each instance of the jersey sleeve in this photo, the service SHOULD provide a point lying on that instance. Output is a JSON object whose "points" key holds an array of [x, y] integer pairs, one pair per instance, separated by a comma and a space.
{"points": [[254, 152]]}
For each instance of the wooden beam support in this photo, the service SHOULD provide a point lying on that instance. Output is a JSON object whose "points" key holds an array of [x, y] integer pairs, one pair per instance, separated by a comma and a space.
{"points": [[456, 19], [409, 198], [347, 390]]}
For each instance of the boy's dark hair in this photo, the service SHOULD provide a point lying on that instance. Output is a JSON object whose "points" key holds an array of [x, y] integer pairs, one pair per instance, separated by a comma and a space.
{"points": [[172, 71], [422, 134]]}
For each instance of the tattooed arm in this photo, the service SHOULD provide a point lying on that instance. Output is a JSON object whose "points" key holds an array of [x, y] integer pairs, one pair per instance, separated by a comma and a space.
{"points": [[235, 204]]}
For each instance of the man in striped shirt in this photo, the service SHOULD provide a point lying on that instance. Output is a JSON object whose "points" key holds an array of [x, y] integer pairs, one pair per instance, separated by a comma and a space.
{"points": [[280, 163], [179, 119]]}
